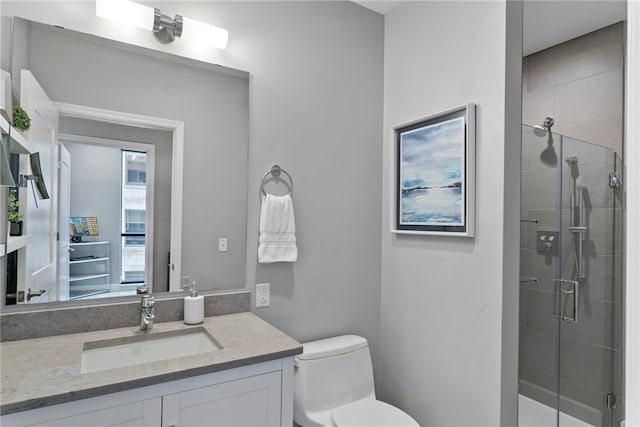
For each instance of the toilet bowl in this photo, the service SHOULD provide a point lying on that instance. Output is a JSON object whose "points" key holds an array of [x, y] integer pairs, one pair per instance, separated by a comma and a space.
{"points": [[333, 387]]}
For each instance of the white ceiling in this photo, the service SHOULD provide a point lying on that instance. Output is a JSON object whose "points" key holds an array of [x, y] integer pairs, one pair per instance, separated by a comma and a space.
{"points": [[548, 22]]}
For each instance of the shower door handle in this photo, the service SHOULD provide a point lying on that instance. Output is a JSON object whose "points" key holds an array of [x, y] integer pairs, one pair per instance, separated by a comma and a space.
{"points": [[575, 291]]}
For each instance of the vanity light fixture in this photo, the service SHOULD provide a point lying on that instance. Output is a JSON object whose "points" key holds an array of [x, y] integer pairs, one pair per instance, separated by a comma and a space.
{"points": [[164, 28]]}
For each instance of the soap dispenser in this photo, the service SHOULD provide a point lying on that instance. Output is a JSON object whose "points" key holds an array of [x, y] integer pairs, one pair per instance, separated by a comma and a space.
{"points": [[193, 307]]}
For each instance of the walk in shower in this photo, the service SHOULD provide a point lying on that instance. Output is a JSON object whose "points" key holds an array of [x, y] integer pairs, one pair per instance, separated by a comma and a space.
{"points": [[570, 357]]}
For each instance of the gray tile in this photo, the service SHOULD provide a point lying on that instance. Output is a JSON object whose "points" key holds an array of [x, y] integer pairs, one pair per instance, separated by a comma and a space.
{"points": [[587, 365], [587, 152], [539, 190], [605, 131], [583, 403], [537, 103], [618, 228], [548, 220], [522, 297], [541, 152], [601, 279], [599, 323], [593, 97], [593, 53], [618, 388], [541, 308], [538, 349], [543, 267], [600, 234], [595, 177], [539, 386]]}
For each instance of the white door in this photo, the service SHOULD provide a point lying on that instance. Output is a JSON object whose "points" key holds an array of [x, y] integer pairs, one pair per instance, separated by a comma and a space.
{"points": [[41, 222], [64, 186]]}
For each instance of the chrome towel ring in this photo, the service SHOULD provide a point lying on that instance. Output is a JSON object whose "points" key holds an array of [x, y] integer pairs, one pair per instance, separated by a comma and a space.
{"points": [[275, 172]]}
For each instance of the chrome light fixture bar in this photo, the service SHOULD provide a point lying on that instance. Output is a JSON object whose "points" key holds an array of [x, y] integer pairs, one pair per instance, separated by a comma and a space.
{"points": [[164, 28]]}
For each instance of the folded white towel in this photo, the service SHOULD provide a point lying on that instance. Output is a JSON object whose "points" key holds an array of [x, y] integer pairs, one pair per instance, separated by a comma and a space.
{"points": [[277, 241]]}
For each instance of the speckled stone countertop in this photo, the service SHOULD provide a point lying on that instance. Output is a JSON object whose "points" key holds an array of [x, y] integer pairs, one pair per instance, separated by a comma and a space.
{"points": [[46, 371]]}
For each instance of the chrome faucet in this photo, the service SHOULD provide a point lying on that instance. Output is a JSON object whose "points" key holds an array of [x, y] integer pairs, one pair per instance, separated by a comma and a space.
{"points": [[147, 312]]}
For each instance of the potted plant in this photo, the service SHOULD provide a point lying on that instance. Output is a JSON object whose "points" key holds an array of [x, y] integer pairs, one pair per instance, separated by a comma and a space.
{"points": [[14, 215], [21, 120]]}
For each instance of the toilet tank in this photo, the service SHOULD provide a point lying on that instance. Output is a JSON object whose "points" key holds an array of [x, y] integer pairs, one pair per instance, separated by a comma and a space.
{"points": [[330, 373]]}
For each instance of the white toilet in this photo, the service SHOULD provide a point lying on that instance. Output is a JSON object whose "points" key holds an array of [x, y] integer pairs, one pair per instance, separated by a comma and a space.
{"points": [[333, 387]]}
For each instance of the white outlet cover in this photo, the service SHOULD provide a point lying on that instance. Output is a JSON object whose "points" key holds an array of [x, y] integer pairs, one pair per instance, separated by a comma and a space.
{"points": [[263, 295]]}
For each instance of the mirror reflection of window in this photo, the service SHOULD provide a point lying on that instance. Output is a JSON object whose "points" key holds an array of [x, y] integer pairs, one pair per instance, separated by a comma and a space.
{"points": [[134, 188], [136, 167]]}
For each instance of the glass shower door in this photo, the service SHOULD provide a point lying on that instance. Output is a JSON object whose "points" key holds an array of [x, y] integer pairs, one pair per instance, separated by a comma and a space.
{"points": [[570, 286], [588, 288]]}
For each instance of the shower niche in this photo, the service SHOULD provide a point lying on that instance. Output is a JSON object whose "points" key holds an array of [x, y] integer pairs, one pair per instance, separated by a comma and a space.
{"points": [[571, 295]]}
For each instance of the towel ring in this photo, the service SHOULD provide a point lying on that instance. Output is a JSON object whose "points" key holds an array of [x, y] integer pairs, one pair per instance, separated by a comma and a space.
{"points": [[275, 171]]}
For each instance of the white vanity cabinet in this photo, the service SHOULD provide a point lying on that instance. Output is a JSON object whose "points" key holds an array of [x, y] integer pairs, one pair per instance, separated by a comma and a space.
{"points": [[254, 395]]}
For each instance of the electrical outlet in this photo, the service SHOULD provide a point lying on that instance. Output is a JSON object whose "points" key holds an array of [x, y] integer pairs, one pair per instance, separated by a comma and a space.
{"points": [[263, 295], [223, 244]]}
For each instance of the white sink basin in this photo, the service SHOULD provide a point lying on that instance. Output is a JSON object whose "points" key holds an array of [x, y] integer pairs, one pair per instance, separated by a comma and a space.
{"points": [[151, 347]]}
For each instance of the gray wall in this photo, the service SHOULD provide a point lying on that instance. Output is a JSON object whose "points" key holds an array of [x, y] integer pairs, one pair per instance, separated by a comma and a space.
{"points": [[580, 84], [316, 109], [163, 143], [214, 107], [446, 358]]}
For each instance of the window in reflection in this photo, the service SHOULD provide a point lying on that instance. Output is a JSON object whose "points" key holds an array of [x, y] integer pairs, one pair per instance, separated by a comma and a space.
{"points": [[134, 212]]}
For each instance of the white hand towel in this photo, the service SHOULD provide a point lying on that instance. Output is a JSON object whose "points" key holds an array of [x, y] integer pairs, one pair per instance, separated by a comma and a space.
{"points": [[277, 241]]}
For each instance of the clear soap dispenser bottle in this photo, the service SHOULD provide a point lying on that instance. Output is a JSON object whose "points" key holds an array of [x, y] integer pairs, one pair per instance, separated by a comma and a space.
{"points": [[193, 305]]}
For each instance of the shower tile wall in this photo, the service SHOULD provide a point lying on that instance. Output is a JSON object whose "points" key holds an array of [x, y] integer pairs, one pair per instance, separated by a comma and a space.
{"points": [[580, 84]]}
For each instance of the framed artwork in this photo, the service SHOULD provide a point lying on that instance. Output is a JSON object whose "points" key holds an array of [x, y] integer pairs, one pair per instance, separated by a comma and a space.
{"points": [[434, 179]]}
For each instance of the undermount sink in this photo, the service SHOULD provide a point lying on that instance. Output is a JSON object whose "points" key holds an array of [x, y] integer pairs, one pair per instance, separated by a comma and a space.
{"points": [[150, 347]]}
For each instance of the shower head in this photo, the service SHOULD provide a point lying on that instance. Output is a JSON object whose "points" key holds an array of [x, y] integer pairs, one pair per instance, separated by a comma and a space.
{"points": [[541, 130]]}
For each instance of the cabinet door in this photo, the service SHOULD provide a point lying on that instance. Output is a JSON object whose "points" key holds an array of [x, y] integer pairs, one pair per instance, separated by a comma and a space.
{"points": [[144, 413], [252, 401]]}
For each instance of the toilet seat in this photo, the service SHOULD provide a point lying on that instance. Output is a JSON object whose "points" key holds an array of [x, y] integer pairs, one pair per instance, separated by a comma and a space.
{"points": [[371, 413]]}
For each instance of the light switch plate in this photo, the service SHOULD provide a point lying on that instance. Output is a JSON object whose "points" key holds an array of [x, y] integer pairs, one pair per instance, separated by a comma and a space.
{"points": [[223, 244]]}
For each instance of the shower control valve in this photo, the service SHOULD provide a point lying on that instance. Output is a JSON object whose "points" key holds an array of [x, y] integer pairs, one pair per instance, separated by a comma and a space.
{"points": [[547, 242]]}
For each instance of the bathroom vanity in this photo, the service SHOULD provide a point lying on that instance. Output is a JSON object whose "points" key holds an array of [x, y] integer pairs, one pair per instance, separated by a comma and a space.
{"points": [[247, 380]]}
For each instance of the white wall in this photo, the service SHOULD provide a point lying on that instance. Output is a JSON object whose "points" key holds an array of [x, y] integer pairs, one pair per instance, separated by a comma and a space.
{"points": [[316, 109], [632, 223], [443, 359]]}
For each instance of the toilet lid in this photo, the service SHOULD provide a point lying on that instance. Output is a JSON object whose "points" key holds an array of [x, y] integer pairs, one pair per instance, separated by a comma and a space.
{"points": [[371, 413]]}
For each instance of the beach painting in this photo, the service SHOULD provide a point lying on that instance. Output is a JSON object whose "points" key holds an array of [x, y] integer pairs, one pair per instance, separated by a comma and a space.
{"points": [[432, 174]]}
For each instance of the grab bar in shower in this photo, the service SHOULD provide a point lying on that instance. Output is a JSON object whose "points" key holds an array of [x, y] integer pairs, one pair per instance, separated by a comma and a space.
{"points": [[535, 221], [526, 279]]}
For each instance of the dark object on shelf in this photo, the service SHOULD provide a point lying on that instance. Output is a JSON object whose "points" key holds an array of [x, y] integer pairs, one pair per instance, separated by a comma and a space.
{"points": [[15, 229]]}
